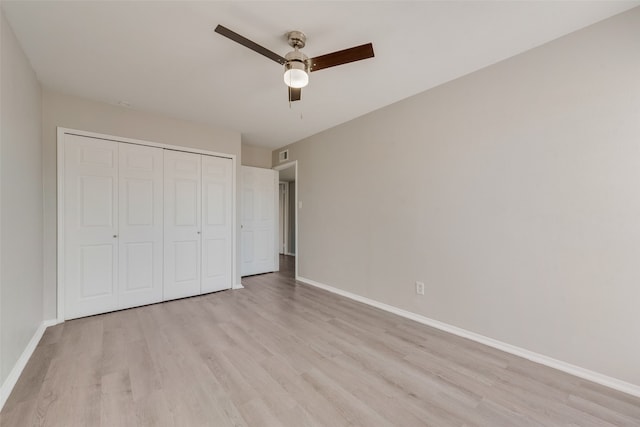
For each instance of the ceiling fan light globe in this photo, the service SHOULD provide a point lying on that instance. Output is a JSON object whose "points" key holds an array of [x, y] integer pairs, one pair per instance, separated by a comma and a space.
{"points": [[296, 78]]}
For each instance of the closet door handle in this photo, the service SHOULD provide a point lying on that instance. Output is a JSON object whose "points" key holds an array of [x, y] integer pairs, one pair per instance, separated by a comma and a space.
{"points": [[198, 232], [115, 236]]}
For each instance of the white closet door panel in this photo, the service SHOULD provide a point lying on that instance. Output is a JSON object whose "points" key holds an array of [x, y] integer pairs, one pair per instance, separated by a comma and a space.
{"points": [[140, 220], [259, 221], [217, 222], [90, 226], [96, 270], [246, 247], [182, 210]]}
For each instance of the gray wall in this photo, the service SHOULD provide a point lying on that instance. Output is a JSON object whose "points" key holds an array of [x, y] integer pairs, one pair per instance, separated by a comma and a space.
{"points": [[513, 193], [259, 157], [21, 202], [77, 113]]}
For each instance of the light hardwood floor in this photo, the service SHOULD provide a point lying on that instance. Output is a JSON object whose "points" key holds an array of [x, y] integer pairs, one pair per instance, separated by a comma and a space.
{"points": [[282, 353]]}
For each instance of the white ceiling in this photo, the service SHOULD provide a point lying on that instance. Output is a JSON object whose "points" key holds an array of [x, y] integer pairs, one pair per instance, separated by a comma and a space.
{"points": [[164, 57]]}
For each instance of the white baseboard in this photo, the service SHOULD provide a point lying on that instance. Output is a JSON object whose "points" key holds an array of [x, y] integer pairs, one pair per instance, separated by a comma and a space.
{"points": [[14, 375], [577, 371], [238, 286], [51, 322]]}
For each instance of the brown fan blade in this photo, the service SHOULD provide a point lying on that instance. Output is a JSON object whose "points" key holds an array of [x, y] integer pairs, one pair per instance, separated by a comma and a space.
{"points": [[295, 94], [248, 43], [342, 57]]}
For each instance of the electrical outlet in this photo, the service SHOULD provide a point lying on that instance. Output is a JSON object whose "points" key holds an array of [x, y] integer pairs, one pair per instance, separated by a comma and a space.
{"points": [[419, 288]]}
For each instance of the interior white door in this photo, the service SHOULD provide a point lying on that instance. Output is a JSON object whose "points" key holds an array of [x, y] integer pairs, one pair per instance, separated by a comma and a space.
{"points": [[182, 210], [140, 225], [217, 224], [90, 226], [259, 225]]}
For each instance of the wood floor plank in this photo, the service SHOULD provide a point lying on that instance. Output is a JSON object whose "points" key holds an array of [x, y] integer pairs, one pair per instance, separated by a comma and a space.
{"points": [[152, 411], [257, 413], [307, 397], [116, 400], [281, 353], [356, 412]]}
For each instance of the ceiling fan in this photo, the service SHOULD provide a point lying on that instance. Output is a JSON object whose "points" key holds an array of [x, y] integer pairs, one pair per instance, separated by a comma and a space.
{"points": [[297, 65]]}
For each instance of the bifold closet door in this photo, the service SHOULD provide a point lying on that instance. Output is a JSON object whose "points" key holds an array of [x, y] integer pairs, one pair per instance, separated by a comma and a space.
{"points": [[90, 226], [217, 223], [140, 224], [182, 210]]}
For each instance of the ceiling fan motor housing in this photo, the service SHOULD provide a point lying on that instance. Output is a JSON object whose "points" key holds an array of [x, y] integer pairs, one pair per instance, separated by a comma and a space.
{"points": [[295, 56], [296, 69]]}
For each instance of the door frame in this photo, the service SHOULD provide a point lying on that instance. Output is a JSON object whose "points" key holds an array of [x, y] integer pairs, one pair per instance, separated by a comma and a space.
{"points": [[287, 165], [285, 217], [61, 132]]}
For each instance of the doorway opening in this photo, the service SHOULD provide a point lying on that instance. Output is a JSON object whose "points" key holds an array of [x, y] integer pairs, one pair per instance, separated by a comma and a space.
{"points": [[288, 216]]}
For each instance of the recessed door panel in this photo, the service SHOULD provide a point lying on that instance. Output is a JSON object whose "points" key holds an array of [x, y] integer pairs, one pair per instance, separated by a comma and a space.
{"points": [[186, 261], [139, 160], [216, 258], [139, 204], [96, 272], [247, 243], [262, 245], [96, 201], [247, 203], [95, 154], [186, 202], [265, 197], [216, 204], [138, 265]]}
